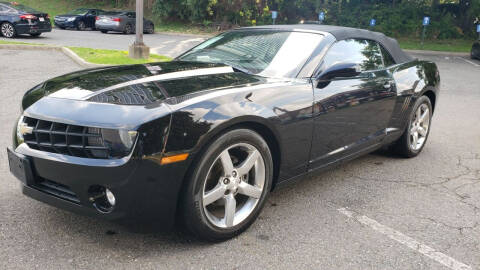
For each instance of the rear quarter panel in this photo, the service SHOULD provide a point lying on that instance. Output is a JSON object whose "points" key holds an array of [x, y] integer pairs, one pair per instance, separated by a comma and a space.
{"points": [[413, 79]]}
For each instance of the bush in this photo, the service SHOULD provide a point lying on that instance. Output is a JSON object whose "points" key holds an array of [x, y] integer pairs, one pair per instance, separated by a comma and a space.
{"points": [[402, 20]]}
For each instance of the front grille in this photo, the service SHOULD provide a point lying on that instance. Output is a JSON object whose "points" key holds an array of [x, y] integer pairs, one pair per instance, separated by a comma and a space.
{"points": [[56, 189], [72, 140]]}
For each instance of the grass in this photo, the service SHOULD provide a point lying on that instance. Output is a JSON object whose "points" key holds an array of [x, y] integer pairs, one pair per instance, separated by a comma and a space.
{"points": [[450, 45], [114, 57], [19, 43]]}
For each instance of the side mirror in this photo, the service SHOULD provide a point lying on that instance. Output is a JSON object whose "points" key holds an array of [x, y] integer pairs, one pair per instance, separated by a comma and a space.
{"points": [[340, 70]]}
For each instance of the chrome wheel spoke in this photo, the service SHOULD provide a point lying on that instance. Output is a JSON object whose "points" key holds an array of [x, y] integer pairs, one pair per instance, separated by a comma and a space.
{"points": [[249, 190], [424, 116], [230, 207], [422, 131], [214, 195], [226, 162], [247, 165], [415, 139], [413, 129]]}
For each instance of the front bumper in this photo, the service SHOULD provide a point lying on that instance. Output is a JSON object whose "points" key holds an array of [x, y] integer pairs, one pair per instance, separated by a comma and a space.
{"points": [[33, 28], [145, 191], [65, 24]]}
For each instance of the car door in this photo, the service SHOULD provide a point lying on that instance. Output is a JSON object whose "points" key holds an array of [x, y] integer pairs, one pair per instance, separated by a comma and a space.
{"points": [[351, 113], [90, 18], [132, 19]]}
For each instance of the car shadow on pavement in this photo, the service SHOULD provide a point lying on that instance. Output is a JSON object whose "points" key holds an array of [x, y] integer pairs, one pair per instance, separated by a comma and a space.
{"points": [[117, 236]]}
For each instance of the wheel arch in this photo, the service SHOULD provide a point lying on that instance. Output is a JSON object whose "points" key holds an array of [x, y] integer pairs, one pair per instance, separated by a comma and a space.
{"points": [[432, 96], [258, 124]]}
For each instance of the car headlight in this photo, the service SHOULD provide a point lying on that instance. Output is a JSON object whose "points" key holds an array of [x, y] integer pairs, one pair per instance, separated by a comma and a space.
{"points": [[119, 141], [20, 130], [71, 19]]}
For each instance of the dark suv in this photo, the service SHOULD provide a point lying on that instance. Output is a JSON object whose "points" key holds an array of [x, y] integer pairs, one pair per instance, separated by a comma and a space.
{"points": [[17, 19]]}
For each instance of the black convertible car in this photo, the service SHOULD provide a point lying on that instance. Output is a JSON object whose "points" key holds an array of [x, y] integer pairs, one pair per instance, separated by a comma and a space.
{"points": [[206, 137], [80, 19], [475, 52], [17, 19]]}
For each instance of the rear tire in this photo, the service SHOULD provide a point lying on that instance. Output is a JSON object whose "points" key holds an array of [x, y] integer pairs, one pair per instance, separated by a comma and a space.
{"points": [[104, 31], [8, 30], [128, 29], [228, 187], [416, 133]]}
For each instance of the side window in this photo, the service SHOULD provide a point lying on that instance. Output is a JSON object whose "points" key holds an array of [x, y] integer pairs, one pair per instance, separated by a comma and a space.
{"points": [[387, 58], [3, 8], [93, 12], [365, 53]]}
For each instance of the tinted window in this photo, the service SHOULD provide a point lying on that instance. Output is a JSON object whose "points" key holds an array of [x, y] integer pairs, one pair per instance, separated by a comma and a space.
{"points": [[365, 53], [387, 58]]}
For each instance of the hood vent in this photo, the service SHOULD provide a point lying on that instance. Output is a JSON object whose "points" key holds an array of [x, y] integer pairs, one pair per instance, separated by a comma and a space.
{"points": [[137, 94]]}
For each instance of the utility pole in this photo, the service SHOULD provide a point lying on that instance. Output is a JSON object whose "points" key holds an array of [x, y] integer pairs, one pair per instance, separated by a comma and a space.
{"points": [[138, 49]]}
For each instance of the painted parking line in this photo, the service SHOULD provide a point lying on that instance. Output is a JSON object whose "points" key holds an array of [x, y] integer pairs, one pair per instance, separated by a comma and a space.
{"points": [[406, 241], [468, 61]]}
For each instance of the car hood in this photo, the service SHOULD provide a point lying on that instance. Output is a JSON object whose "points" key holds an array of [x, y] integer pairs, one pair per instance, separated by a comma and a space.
{"points": [[169, 82]]}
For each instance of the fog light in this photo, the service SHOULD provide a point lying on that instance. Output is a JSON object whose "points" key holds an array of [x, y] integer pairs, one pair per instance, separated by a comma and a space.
{"points": [[110, 197], [102, 198]]}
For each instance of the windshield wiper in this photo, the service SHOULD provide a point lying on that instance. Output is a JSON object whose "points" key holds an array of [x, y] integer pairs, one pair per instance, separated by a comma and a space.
{"points": [[243, 70]]}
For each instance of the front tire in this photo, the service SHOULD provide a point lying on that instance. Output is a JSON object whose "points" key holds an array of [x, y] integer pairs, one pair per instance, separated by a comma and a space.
{"points": [[228, 188], [150, 29], [416, 134], [8, 30], [81, 26]]}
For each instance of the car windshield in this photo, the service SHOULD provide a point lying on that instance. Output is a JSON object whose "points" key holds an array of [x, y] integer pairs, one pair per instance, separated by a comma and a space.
{"points": [[262, 52], [21, 7], [79, 11]]}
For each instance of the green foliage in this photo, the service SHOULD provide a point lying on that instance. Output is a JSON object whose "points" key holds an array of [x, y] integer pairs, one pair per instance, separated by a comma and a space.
{"points": [[398, 18]]}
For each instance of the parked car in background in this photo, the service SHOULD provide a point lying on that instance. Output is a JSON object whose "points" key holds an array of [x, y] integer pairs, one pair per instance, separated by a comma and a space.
{"points": [[80, 19], [475, 52], [17, 19], [122, 21]]}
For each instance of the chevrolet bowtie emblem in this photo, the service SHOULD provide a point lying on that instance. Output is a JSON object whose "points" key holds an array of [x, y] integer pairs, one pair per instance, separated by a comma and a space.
{"points": [[24, 129]]}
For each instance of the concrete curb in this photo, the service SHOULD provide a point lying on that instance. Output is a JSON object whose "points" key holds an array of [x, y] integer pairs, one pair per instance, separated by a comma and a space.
{"points": [[66, 51], [438, 53]]}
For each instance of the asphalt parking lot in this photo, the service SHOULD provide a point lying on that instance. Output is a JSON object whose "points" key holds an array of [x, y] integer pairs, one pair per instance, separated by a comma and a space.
{"points": [[376, 212], [160, 43]]}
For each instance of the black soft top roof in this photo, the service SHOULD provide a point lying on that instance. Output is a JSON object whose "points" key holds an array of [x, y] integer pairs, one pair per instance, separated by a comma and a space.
{"points": [[341, 33]]}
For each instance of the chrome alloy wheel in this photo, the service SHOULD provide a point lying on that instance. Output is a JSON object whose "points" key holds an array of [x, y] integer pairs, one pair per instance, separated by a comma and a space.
{"points": [[419, 127], [234, 185], [7, 30]]}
